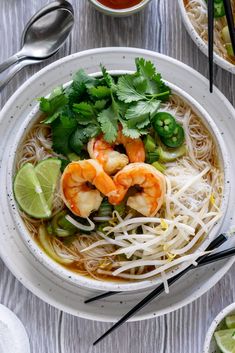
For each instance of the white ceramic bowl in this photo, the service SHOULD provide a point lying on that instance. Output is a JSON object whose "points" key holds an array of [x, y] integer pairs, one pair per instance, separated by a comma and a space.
{"points": [[210, 345], [115, 285], [200, 42], [18, 257], [119, 12]]}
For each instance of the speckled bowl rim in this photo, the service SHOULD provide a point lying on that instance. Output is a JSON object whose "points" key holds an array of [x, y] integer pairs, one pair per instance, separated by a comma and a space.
{"points": [[230, 309], [91, 283], [200, 43], [119, 12]]}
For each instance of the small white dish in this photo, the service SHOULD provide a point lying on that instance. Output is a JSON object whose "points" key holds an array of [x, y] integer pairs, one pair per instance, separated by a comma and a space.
{"points": [[200, 42], [210, 345], [119, 12], [13, 336]]}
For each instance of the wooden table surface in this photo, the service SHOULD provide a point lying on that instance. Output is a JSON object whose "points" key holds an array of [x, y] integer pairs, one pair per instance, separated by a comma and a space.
{"points": [[158, 28]]}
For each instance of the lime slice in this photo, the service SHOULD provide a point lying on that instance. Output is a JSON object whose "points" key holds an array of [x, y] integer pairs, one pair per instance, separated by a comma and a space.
{"points": [[230, 321], [48, 172], [225, 340], [29, 194]]}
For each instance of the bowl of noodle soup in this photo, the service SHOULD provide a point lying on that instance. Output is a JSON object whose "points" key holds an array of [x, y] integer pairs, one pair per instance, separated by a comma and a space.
{"points": [[194, 15], [142, 251]]}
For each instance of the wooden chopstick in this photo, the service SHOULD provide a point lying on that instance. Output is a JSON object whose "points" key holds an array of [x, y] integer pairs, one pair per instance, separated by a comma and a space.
{"points": [[210, 10], [160, 289], [230, 21]]}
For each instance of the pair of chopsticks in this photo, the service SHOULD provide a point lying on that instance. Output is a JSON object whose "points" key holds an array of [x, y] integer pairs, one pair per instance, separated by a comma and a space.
{"points": [[231, 26], [202, 261]]}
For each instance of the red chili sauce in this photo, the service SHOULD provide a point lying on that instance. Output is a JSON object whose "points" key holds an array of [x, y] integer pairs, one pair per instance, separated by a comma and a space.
{"points": [[119, 4]]}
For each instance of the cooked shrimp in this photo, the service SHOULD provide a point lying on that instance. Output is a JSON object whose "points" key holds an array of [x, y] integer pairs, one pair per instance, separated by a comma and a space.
{"points": [[152, 186], [112, 160], [103, 152], [134, 147], [82, 183]]}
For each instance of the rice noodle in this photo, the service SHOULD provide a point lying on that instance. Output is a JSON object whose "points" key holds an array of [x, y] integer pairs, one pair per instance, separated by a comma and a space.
{"points": [[197, 13]]}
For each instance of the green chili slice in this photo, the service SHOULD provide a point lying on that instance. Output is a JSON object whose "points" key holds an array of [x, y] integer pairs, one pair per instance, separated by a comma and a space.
{"points": [[164, 124], [219, 10], [177, 138], [60, 226]]}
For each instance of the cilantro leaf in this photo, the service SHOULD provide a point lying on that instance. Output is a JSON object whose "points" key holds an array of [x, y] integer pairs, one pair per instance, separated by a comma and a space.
{"points": [[82, 135], [164, 91], [155, 85], [140, 84], [85, 113], [138, 122], [130, 90], [77, 140], [91, 131], [52, 106], [108, 79], [99, 92], [109, 124], [132, 132], [141, 108], [45, 105], [147, 70], [78, 88], [83, 108], [100, 104], [68, 122], [121, 107], [62, 129]]}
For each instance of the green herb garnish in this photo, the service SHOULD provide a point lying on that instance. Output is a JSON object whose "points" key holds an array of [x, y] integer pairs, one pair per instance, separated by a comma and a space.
{"points": [[91, 105]]}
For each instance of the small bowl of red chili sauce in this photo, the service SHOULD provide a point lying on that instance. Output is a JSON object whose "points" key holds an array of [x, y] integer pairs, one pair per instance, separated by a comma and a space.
{"points": [[119, 7]]}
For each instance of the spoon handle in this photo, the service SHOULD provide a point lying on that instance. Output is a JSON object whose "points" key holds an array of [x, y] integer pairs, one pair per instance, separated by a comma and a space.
{"points": [[10, 61], [7, 76]]}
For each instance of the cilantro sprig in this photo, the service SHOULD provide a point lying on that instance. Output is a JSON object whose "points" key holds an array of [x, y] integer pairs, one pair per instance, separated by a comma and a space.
{"points": [[91, 105]]}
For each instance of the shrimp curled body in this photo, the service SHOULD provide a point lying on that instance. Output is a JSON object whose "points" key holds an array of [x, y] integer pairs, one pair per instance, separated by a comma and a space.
{"points": [[111, 160], [82, 183], [152, 187]]}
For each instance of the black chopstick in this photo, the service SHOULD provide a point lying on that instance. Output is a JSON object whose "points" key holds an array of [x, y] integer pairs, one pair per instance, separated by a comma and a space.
{"points": [[100, 296], [211, 41], [217, 257], [157, 291], [230, 21]]}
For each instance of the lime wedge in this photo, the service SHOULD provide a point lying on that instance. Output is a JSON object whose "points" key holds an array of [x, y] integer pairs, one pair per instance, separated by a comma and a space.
{"points": [[29, 194], [225, 340], [230, 321], [48, 172]]}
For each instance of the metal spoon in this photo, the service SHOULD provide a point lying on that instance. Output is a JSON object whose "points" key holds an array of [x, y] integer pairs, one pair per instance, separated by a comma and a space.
{"points": [[44, 34], [51, 6], [46, 30]]}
